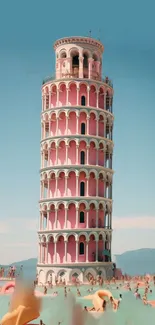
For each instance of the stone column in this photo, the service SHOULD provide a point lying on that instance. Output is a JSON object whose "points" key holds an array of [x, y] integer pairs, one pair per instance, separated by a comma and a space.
{"points": [[57, 103], [66, 131], [88, 90], [77, 217], [96, 250], [55, 252], [97, 186], [86, 252], [77, 185], [47, 226], [87, 218], [90, 62], [56, 186], [111, 220], [49, 157], [81, 66], [66, 178], [88, 125], [66, 154], [56, 218], [77, 251], [66, 212], [104, 135], [77, 124], [56, 155], [97, 212], [97, 156], [78, 96], [67, 93], [57, 124], [48, 190], [87, 154], [87, 187], [46, 253], [77, 154], [105, 154], [97, 95], [97, 126], [65, 251], [49, 106]]}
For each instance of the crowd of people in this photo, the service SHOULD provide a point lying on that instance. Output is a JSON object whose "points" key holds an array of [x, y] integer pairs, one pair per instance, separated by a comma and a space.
{"points": [[10, 272]]}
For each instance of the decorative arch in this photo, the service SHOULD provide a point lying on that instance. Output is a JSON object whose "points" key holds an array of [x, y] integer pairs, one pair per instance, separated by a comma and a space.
{"points": [[101, 233], [72, 170], [61, 171], [60, 202], [73, 50], [90, 271], [49, 274], [74, 271], [71, 202], [93, 171], [62, 53], [83, 170], [94, 202], [60, 235], [83, 234], [95, 142], [49, 238], [52, 203], [41, 277], [43, 239], [72, 234], [61, 271], [83, 202], [95, 235]]}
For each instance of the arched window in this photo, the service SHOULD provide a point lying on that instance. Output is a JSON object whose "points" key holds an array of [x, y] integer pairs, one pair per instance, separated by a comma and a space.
{"points": [[81, 249], [82, 217], [85, 61], [47, 101], [107, 102], [82, 158], [45, 221], [83, 101], [83, 128], [75, 61], [82, 189]]}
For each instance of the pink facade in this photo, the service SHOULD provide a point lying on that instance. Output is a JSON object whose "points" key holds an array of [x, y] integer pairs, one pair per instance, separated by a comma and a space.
{"points": [[76, 158]]}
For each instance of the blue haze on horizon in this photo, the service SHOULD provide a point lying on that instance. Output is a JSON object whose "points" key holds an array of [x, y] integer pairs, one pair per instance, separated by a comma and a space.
{"points": [[27, 33]]}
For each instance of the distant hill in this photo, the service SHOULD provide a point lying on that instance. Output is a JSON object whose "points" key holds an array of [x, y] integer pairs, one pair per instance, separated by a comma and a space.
{"points": [[139, 261]]}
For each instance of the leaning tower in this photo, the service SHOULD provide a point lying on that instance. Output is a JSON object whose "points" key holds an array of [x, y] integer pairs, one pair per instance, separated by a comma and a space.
{"points": [[76, 175]]}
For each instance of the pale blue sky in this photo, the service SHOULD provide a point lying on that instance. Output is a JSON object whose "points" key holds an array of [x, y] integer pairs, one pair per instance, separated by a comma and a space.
{"points": [[27, 32]]}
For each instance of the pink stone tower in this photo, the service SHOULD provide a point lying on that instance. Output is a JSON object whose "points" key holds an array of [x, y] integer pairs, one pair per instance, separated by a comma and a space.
{"points": [[75, 231]]}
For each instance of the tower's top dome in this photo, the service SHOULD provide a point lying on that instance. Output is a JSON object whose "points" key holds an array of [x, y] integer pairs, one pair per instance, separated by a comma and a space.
{"points": [[79, 40]]}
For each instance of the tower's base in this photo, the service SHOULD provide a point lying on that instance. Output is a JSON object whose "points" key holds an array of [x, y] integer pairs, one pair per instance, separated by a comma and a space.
{"points": [[68, 272]]}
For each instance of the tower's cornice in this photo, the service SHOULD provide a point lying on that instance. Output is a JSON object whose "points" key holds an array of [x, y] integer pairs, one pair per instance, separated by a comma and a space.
{"points": [[80, 40]]}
